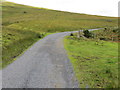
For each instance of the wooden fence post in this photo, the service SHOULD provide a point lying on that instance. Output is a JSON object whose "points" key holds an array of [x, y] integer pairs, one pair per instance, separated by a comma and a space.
{"points": [[78, 34]]}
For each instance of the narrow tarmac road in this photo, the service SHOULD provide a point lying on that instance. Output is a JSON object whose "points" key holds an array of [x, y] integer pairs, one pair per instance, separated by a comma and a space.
{"points": [[44, 65]]}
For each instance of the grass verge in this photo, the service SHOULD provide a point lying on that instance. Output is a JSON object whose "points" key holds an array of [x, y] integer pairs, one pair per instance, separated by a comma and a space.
{"points": [[95, 65], [15, 43]]}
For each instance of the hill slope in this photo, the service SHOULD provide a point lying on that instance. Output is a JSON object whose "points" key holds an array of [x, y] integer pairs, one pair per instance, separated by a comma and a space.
{"points": [[29, 18], [24, 25]]}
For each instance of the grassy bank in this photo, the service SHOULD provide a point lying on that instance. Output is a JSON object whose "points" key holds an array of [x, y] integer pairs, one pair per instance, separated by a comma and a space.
{"points": [[15, 42], [95, 63], [24, 25]]}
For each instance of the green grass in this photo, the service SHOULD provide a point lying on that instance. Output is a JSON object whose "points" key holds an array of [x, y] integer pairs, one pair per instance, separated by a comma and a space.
{"points": [[23, 24], [15, 42], [96, 66]]}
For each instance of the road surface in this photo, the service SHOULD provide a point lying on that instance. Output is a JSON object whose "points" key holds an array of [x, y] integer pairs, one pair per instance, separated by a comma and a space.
{"points": [[44, 65]]}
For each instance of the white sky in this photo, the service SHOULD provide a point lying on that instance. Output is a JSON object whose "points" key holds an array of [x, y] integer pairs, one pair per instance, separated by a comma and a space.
{"points": [[94, 7]]}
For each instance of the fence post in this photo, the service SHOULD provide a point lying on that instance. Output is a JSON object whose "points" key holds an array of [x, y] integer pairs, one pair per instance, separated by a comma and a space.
{"points": [[78, 34]]}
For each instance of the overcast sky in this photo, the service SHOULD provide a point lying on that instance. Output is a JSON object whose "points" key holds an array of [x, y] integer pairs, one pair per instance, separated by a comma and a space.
{"points": [[94, 7]]}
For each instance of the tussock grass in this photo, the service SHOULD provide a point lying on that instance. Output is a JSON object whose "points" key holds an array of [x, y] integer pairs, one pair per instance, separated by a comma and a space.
{"points": [[22, 24], [108, 34]]}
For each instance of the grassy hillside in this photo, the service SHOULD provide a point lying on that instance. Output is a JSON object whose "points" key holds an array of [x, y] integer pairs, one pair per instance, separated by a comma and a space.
{"points": [[95, 59], [24, 25], [38, 19]]}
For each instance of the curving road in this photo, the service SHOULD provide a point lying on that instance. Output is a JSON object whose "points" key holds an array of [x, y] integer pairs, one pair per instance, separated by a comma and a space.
{"points": [[44, 65]]}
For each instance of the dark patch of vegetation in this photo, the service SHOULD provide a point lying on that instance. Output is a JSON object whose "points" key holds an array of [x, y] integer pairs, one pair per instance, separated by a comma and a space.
{"points": [[88, 34], [102, 38], [24, 12], [41, 35], [71, 34]]}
